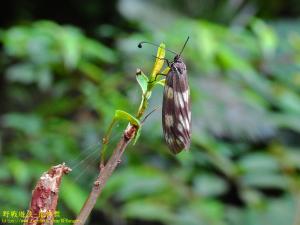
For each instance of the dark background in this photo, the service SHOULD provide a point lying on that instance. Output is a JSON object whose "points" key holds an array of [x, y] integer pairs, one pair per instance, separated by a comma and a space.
{"points": [[66, 66]]}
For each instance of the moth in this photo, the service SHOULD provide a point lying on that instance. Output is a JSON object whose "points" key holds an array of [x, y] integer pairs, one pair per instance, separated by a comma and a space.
{"points": [[176, 107]]}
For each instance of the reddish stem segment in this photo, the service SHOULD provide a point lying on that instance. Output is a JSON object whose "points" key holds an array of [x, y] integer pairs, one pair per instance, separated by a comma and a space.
{"points": [[45, 195]]}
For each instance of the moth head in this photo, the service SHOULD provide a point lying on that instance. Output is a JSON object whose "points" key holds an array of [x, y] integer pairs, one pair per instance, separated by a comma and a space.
{"points": [[178, 58]]}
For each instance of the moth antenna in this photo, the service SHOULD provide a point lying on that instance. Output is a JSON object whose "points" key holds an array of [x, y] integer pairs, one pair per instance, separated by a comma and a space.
{"points": [[140, 45], [150, 114], [184, 45]]}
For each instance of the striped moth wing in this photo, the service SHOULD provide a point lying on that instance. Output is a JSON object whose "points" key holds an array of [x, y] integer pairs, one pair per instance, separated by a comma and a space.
{"points": [[176, 110]]}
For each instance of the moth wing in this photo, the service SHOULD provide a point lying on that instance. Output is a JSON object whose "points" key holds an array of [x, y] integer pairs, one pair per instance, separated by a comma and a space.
{"points": [[182, 108], [176, 112]]}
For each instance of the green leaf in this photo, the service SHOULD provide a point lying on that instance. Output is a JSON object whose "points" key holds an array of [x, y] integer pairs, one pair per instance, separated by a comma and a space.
{"points": [[138, 182], [91, 70], [143, 80], [70, 44], [292, 157], [22, 73], [73, 195], [258, 162], [147, 210], [19, 170], [4, 171], [94, 49], [27, 123], [286, 120], [266, 36], [15, 195], [206, 42], [200, 211], [274, 212], [288, 100], [209, 185], [263, 179], [15, 40]]}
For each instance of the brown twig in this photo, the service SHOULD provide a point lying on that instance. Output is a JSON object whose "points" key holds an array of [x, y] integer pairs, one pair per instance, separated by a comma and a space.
{"points": [[45, 195], [104, 173]]}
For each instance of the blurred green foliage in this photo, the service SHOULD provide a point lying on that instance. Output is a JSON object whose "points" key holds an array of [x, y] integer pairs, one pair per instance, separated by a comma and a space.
{"points": [[60, 90]]}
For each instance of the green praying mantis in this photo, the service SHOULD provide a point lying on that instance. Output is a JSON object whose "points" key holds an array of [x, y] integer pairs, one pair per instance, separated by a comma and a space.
{"points": [[147, 83]]}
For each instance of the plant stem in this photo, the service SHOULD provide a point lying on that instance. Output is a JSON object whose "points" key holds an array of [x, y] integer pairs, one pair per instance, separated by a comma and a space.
{"points": [[104, 173]]}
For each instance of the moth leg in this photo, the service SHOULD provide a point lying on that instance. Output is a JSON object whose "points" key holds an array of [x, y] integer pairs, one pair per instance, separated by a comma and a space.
{"points": [[159, 74], [166, 60]]}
